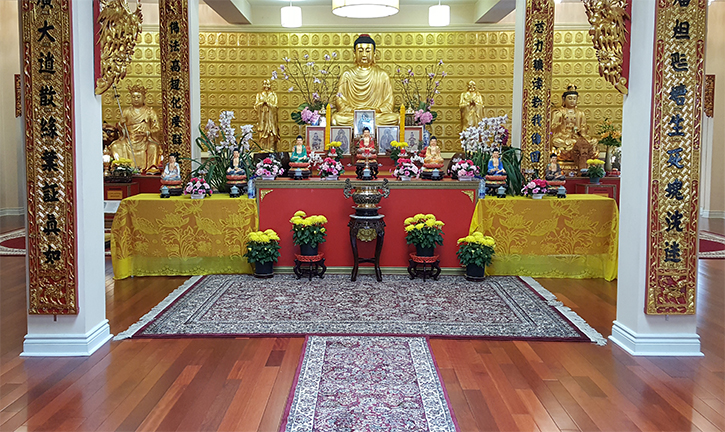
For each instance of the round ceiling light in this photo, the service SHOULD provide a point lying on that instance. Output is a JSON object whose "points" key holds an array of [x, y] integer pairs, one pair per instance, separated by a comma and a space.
{"points": [[365, 8], [439, 15], [291, 16]]}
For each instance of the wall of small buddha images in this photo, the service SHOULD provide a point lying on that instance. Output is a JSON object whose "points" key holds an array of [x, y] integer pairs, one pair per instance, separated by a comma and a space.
{"points": [[233, 66]]}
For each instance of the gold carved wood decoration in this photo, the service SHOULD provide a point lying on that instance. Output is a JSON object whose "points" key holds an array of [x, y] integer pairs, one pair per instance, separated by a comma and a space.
{"points": [[175, 89], [119, 30], [18, 96], [675, 163], [709, 96], [233, 66], [608, 32], [536, 109], [49, 152]]}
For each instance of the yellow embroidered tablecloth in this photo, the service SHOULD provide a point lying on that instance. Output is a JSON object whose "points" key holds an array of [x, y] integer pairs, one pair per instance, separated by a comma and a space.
{"points": [[574, 237], [180, 236]]}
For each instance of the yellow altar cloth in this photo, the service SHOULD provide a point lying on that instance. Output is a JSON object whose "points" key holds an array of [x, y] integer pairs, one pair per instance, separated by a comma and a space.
{"points": [[179, 236], [574, 237]]}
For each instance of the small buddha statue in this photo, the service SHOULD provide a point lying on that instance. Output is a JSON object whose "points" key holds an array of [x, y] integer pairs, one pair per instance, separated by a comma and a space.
{"points": [[471, 105], [553, 170], [433, 158], [495, 165], [569, 131], [365, 87], [299, 152], [236, 167], [171, 176], [141, 122], [366, 146]]}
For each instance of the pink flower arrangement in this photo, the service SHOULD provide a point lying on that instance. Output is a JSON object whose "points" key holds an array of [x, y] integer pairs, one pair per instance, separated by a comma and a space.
{"points": [[310, 117], [423, 117], [330, 167], [465, 168], [196, 186], [537, 186], [406, 168], [269, 167]]}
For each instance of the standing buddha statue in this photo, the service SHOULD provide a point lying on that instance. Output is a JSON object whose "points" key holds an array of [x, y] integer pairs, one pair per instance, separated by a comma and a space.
{"points": [[140, 122], [471, 105], [365, 87], [266, 107], [569, 131]]}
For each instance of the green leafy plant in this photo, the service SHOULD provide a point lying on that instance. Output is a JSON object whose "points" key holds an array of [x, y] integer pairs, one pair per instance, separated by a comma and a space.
{"points": [[308, 230], [476, 249], [424, 230], [596, 168], [511, 160], [262, 247]]}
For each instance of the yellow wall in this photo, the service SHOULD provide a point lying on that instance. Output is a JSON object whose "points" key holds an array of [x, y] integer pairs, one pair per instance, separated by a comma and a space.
{"points": [[233, 65], [715, 64]]}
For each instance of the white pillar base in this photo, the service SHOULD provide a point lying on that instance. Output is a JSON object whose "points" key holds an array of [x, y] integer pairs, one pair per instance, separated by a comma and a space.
{"points": [[659, 344], [67, 345]]}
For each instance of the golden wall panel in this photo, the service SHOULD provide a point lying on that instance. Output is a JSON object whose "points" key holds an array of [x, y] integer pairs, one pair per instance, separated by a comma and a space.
{"points": [[233, 66]]}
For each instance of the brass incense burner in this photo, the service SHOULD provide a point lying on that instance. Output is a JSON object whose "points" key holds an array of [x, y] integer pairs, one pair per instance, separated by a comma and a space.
{"points": [[366, 196]]}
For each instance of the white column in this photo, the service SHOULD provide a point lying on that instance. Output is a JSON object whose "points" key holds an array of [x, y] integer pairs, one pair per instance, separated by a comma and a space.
{"points": [[706, 163], [633, 330], [194, 77], [519, 39], [84, 333]]}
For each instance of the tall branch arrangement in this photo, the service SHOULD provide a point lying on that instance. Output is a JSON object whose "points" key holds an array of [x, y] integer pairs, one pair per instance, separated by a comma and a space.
{"points": [[412, 86]]}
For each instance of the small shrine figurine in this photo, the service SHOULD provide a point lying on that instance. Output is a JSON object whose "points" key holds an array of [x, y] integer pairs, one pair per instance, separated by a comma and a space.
{"points": [[366, 146], [235, 164], [171, 176], [236, 174], [433, 161], [553, 170], [495, 165], [299, 161]]}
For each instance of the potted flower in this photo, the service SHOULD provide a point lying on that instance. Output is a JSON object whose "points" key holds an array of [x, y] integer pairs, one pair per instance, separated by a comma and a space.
{"points": [[122, 171], [334, 150], [397, 150], [308, 232], [198, 188], [611, 137], [406, 169], [330, 169], [465, 170], [263, 251], [536, 188], [476, 253], [425, 232], [269, 168], [595, 171]]}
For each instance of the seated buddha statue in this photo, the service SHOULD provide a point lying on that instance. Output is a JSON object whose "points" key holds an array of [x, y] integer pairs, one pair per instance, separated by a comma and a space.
{"points": [[365, 87], [553, 171], [366, 147], [171, 176], [495, 165], [569, 131], [433, 158], [298, 158], [236, 167]]}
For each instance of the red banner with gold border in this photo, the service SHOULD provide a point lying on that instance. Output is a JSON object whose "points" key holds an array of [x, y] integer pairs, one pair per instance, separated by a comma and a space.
{"points": [[678, 81], [49, 152]]}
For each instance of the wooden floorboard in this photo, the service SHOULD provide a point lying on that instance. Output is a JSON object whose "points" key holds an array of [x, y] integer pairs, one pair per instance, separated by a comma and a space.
{"points": [[243, 383]]}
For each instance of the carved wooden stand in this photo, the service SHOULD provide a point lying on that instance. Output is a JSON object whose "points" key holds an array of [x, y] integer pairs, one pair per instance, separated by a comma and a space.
{"points": [[360, 167], [314, 266], [359, 226], [431, 266]]}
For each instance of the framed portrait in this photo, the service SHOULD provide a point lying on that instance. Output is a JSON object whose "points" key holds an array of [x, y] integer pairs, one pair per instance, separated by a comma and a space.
{"points": [[316, 138], [344, 135], [413, 136], [364, 119], [386, 135]]}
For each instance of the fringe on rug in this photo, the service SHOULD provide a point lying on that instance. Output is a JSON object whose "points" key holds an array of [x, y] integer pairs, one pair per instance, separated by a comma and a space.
{"points": [[572, 316], [157, 309]]}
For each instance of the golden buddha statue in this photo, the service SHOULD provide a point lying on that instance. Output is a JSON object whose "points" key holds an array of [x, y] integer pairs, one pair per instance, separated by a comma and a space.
{"points": [[433, 157], [569, 131], [266, 107], [471, 105], [138, 124], [365, 87]]}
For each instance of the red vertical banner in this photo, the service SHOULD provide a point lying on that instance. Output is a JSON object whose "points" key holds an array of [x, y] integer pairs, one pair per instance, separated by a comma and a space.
{"points": [[49, 152], [678, 82]]}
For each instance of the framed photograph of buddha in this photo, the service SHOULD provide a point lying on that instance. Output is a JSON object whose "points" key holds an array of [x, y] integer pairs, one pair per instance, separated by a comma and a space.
{"points": [[316, 138], [342, 134], [364, 119], [386, 135], [413, 136]]}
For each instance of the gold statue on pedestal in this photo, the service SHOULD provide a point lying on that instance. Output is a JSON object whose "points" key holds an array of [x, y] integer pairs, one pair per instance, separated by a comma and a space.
{"points": [[138, 124], [366, 86], [569, 131], [266, 107], [471, 105]]}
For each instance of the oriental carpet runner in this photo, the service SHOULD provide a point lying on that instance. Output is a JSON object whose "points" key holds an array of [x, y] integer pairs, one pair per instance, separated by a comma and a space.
{"points": [[712, 246], [367, 383], [502, 307], [13, 243]]}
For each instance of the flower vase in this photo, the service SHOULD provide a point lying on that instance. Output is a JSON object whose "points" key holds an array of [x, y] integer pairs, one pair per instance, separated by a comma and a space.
{"points": [[537, 196], [308, 249], [198, 195], [465, 178], [264, 177], [475, 273], [404, 178], [264, 269], [424, 251], [330, 177], [594, 180], [608, 159]]}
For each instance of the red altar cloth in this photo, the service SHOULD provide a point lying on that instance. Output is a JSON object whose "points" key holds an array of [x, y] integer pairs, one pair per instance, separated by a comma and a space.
{"points": [[450, 201]]}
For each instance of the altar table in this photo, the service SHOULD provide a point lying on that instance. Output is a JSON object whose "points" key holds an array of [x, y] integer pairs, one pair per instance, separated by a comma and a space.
{"points": [[153, 236], [573, 237]]}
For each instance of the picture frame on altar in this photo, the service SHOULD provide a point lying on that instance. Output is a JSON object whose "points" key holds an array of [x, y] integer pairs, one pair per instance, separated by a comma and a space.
{"points": [[342, 134], [315, 138], [386, 135], [413, 136], [364, 119]]}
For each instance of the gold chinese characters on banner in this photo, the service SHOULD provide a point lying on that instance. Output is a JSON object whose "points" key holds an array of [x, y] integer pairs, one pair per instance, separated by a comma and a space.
{"points": [[675, 164], [49, 152], [175, 89], [536, 109]]}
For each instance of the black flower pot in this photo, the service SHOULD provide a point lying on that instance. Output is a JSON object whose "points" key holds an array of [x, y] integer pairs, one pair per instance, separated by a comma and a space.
{"points": [[424, 251], [264, 269], [308, 250], [475, 273]]}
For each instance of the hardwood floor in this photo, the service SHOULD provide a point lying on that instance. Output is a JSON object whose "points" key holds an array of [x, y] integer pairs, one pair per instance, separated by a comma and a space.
{"points": [[243, 383]]}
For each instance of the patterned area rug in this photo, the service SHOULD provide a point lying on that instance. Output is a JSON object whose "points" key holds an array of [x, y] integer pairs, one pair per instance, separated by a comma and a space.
{"points": [[504, 307], [13, 243], [712, 246], [358, 383]]}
